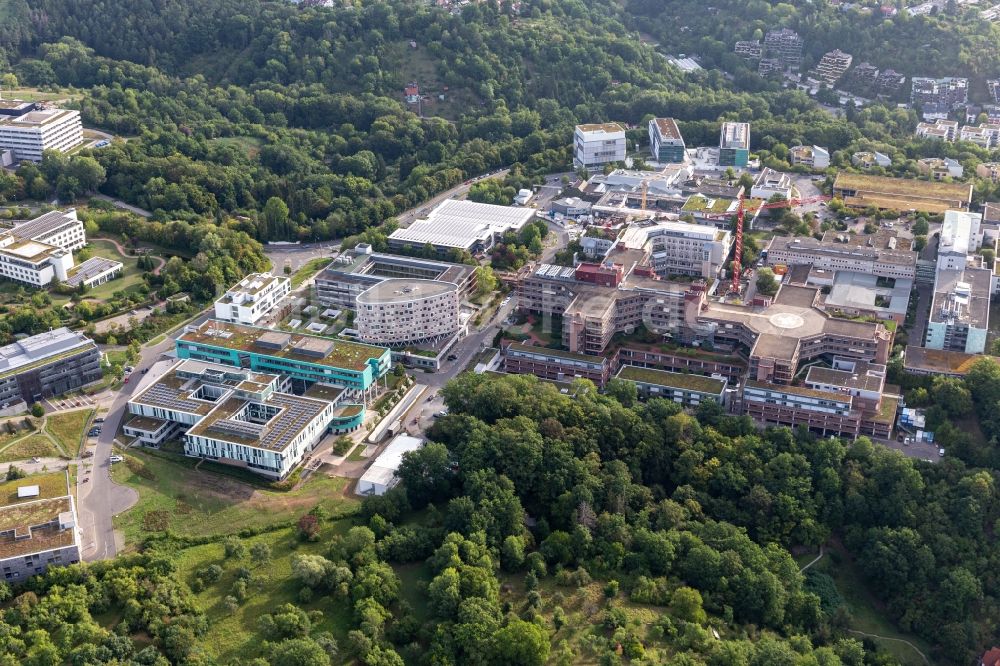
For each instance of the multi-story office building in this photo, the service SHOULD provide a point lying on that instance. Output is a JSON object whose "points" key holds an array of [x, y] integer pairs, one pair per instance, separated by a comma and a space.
{"points": [[38, 526], [960, 310], [402, 312], [813, 157], [597, 144], [28, 129], [45, 365], [846, 400], [555, 364], [842, 252], [252, 298], [734, 144], [461, 225], [238, 417], [357, 271], [304, 359], [666, 145], [833, 65], [961, 235], [39, 251], [678, 248], [785, 45], [780, 336], [769, 183]]}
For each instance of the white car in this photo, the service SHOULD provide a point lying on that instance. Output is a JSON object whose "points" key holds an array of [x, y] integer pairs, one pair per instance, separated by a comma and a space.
{"points": [[114, 459], [940, 452]]}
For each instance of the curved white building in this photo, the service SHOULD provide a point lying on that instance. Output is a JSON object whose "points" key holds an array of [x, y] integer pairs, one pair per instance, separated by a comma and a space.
{"points": [[400, 312]]}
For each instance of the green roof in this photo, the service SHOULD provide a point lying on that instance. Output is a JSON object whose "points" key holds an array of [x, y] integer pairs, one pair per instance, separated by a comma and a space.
{"points": [[558, 353], [343, 354], [699, 203], [677, 380]]}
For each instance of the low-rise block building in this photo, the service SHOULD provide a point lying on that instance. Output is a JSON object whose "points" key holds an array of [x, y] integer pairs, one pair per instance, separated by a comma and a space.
{"points": [[252, 298], [597, 144], [813, 157], [38, 526]]}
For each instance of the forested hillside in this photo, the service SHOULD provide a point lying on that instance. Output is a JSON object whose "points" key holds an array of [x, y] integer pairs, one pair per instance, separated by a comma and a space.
{"points": [[230, 105]]}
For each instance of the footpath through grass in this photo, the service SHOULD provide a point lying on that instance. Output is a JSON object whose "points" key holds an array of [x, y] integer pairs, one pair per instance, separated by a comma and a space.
{"points": [[194, 503], [68, 429], [866, 613]]}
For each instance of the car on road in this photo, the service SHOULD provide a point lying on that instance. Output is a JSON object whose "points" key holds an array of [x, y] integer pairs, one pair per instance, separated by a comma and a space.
{"points": [[129, 369], [145, 370], [115, 459], [452, 357], [126, 379], [99, 419]]}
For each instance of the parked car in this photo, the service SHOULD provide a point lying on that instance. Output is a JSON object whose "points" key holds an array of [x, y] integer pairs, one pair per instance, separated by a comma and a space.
{"points": [[940, 452], [99, 419], [129, 369], [145, 370], [452, 357], [114, 459]]}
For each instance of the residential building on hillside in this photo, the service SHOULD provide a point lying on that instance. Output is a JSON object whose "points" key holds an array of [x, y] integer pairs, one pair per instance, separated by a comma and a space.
{"points": [[993, 88], [938, 97], [990, 224], [832, 66], [988, 170], [29, 128], [597, 144], [734, 144], [861, 191], [38, 526], [939, 168], [889, 81], [941, 129], [304, 359], [866, 74], [867, 159], [358, 270], [813, 157], [46, 365], [252, 298], [769, 67], [785, 45], [749, 49], [666, 145], [985, 135], [461, 225], [238, 417], [401, 312]]}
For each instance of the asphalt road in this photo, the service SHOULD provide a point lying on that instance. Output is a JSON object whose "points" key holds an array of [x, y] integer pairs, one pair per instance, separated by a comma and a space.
{"points": [[296, 256], [100, 498]]}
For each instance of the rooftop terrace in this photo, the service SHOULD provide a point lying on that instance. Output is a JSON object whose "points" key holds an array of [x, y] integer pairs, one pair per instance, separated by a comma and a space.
{"points": [[677, 380]]}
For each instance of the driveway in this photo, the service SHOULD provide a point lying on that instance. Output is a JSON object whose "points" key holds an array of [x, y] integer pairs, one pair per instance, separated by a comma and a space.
{"points": [[101, 498]]}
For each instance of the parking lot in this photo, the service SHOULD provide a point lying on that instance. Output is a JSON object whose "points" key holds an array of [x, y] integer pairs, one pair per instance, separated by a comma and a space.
{"points": [[68, 402]]}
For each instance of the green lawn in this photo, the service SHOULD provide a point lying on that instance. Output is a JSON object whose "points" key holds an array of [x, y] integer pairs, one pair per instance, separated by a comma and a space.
{"points": [[189, 502], [234, 638], [131, 276], [355, 455], [30, 446], [866, 613], [68, 429], [309, 269]]}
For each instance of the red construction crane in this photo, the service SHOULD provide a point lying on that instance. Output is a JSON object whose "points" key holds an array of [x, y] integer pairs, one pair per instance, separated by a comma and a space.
{"points": [[738, 258]]}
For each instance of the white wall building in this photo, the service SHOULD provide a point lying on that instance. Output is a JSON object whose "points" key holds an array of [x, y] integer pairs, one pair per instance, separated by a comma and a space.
{"points": [[30, 130], [680, 248], [598, 144], [960, 236], [813, 157], [38, 251], [769, 183], [252, 298], [401, 312], [381, 476]]}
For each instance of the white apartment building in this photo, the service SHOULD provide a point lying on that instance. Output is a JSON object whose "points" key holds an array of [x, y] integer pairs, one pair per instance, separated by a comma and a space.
{"points": [[29, 129], [986, 135], [252, 298], [597, 144], [941, 129], [402, 312]]}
